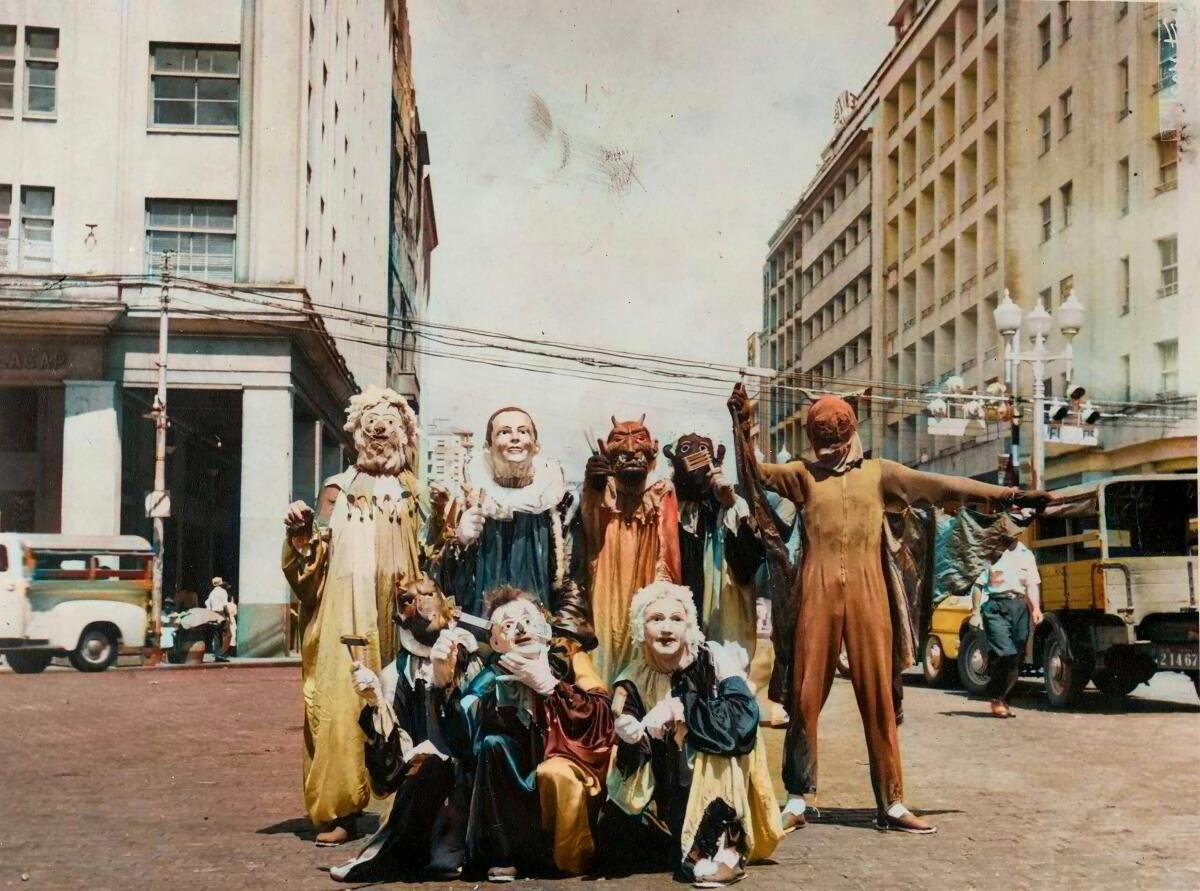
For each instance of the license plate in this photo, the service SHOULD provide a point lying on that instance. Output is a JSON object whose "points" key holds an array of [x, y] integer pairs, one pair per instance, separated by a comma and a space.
{"points": [[1178, 656]]}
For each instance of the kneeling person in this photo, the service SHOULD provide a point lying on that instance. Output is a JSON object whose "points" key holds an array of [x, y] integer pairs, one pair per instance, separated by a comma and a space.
{"points": [[541, 730], [688, 787], [407, 752]]}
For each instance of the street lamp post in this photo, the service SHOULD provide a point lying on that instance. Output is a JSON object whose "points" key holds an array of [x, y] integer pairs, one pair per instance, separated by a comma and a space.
{"points": [[1008, 318]]}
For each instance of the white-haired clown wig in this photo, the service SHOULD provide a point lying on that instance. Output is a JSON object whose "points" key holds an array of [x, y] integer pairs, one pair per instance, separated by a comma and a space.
{"points": [[664, 590]]}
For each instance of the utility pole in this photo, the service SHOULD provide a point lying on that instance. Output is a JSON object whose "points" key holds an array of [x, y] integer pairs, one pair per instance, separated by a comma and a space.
{"points": [[158, 505]]}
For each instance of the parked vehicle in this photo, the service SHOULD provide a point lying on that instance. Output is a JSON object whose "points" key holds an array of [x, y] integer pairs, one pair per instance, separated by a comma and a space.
{"points": [[85, 597], [1118, 564]]}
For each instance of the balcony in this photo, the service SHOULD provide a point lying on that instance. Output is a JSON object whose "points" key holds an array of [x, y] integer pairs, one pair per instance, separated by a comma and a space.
{"points": [[904, 114], [910, 180], [926, 238], [968, 202], [908, 253], [928, 311], [892, 130], [990, 268], [990, 184], [908, 323], [967, 365], [946, 220], [968, 40], [949, 64], [967, 123], [927, 163], [969, 283], [989, 101], [1169, 290], [946, 298], [891, 267], [892, 197], [992, 353], [928, 88], [945, 145], [1168, 186]]}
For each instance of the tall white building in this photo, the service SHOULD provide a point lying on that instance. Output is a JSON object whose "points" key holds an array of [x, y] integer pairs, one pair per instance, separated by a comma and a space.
{"points": [[264, 145], [448, 450]]}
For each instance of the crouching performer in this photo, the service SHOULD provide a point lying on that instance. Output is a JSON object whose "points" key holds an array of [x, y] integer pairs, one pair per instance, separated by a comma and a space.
{"points": [[407, 752], [688, 788], [540, 729]]}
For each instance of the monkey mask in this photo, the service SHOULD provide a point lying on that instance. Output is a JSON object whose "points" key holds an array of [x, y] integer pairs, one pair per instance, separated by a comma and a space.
{"points": [[421, 611], [693, 458], [631, 450], [833, 433]]}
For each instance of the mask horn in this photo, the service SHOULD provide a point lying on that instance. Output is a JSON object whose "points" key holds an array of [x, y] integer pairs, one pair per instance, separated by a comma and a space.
{"points": [[614, 420], [642, 419]]}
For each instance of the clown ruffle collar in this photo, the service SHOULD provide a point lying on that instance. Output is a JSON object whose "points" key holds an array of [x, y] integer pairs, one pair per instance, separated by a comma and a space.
{"points": [[501, 502]]}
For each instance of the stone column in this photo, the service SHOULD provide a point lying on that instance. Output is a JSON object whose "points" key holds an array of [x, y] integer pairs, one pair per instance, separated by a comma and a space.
{"points": [[91, 456], [263, 594]]}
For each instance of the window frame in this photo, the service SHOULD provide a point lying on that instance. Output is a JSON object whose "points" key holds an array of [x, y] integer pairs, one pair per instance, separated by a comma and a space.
{"points": [[6, 220], [197, 77], [1066, 194], [1168, 374], [23, 259], [8, 61], [190, 270], [1064, 21], [1123, 87], [34, 62], [1167, 182], [1126, 286], [1046, 119], [1066, 111], [1168, 272], [1047, 210], [1124, 185], [1045, 40]]}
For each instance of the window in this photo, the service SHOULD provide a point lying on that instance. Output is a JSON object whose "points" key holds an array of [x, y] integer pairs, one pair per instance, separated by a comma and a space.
{"points": [[1123, 301], [1168, 53], [1168, 164], [1127, 377], [1123, 185], [41, 70], [1123, 88], [8, 66], [5, 223], [37, 227], [1168, 367], [1064, 17], [1044, 120], [1046, 221], [1067, 193], [1065, 287], [194, 86], [1046, 299], [1168, 261], [1044, 41], [200, 234], [1064, 109]]}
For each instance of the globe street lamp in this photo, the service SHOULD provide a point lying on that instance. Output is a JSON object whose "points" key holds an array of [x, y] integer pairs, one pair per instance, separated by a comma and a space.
{"points": [[1038, 322]]}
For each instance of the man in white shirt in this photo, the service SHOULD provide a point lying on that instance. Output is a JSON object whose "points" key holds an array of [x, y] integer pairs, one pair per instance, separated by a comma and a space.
{"points": [[1012, 608], [218, 602]]}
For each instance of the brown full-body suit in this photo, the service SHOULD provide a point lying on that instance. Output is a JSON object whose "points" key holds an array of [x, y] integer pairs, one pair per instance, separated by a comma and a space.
{"points": [[845, 598]]}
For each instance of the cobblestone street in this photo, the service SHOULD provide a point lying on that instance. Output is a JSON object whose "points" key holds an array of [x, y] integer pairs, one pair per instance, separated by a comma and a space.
{"points": [[191, 779]]}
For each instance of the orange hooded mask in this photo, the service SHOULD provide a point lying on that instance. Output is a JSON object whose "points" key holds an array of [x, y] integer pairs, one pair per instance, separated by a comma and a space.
{"points": [[832, 428]]}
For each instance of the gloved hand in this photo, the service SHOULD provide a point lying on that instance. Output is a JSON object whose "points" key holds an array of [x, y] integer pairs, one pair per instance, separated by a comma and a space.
{"points": [[598, 468], [976, 620], [740, 403], [366, 684], [1035, 498], [470, 524], [721, 487], [659, 719], [629, 729], [443, 659], [531, 669], [729, 659]]}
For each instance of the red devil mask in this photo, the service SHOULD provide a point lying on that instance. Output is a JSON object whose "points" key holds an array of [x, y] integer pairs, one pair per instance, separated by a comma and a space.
{"points": [[631, 449]]}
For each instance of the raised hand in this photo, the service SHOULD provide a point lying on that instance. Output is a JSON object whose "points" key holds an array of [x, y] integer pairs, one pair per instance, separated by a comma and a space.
{"points": [[599, 467], [530, 669], [299, 523], [742, 406], [1034, 498], [366, 684], [443, 659], [470, 524]]}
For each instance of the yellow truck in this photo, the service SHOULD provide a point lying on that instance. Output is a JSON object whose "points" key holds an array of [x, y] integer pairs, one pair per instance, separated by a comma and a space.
{"points": [[1118, 562]]}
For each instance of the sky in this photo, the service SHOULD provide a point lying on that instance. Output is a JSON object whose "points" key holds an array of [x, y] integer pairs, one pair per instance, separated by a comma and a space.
{"points": [[609, 174]]}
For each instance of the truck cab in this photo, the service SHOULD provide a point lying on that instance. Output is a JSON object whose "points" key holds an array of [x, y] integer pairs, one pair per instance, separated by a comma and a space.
{"points": [[85, 597]]}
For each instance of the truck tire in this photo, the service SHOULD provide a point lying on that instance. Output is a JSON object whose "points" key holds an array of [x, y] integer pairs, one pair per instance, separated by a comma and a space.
{"points": [[1114, 685], [938, 670], [96, 651], [973, 662], [28, 663], [1065, 677]]}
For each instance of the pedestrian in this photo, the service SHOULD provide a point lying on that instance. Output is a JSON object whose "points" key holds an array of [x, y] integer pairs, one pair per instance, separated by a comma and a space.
{"points": [[1012, 608], [218, 601]]}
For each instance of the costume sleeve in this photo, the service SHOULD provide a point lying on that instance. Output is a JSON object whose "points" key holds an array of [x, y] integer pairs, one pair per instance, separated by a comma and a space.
{"points": [[384, 753], [744, 551], [669, 562], [458, 711], [631, 757], [784, 479], [305, 569], [571, 605], [581, 724], [724, 724], [907, 486]]}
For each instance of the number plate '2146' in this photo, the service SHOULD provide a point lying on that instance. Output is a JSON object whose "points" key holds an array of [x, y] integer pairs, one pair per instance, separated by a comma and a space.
{"points": [[1176, 656]]}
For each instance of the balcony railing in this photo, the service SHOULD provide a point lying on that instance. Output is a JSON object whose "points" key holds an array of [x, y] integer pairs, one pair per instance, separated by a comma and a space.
{"points": [[990, 184], [949, 64], [1169, 290], [990, 268], [908, 323], [969, 202], [891, 267], [992, 353], [968, 40], [967, 123], [908, 253], [892, 130], [907, 111], [926, 312], [926, 238], [928, 87], [968, 283], [910, 180], [926, 164], [946, 220], [967, 365], [945, 145], [989, 101], [948, 296], [1166, 187], [892, 197]]}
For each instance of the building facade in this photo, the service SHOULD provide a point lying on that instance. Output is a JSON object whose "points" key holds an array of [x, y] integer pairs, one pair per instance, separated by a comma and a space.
{"points": [[448, 451], [1034, 147], [250, 140]]}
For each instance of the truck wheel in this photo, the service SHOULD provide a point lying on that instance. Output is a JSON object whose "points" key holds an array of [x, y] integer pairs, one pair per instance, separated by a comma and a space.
{"points": [[97, 650], [28, 663], [973, 662], [1114, 685], [938, 670], [1065, 677]]}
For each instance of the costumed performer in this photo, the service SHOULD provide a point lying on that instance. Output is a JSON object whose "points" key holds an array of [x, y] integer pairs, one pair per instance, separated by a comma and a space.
{"points": [[843, 594], [688, 788], [631, 527], [403, 719], [343, 564]]}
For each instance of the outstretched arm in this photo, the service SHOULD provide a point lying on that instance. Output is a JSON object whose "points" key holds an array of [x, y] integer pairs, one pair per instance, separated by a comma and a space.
{"points": [[907, 486]]}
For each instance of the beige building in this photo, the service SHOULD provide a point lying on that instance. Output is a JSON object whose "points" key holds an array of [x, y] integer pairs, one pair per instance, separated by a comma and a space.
{"points": [[273, 149], [1032, 146], [448, 451]]}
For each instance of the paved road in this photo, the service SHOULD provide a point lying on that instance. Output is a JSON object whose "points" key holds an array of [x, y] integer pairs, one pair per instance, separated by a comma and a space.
{"points": [[159, 778]]}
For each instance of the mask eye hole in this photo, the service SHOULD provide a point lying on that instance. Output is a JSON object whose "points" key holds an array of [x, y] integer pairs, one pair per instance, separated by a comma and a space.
{"points": [[685, 448]]}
